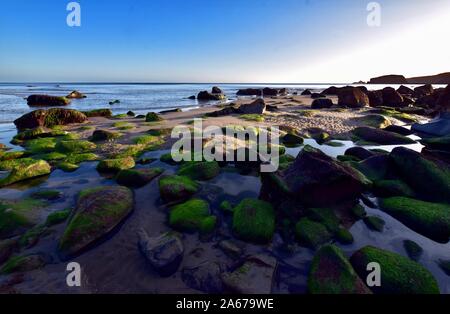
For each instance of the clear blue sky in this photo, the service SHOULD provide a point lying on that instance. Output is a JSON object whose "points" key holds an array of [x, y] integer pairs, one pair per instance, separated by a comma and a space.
{"points": [[220, 40]]}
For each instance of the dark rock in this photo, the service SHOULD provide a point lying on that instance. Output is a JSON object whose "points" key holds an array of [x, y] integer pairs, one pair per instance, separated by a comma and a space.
{"points": [[333, 90], [352, 97], [7, 248], [107, 113], [249, 92], [443, 102], [131, 113], [192, 97], [153, 117], [256, 107], [359, 152], [321, 103], [205, 277], [229, 110], [317, 95], [375, 98], [389, 79], [398, 129], [137, 177], [206, 96], [103, 135], [381, 137], [306, 92], [423, 90], [413, 249], [164, 252], [76, 95], [170, 111], [404, 90], [216, 90], [392, 98], [374, 223], [46, 101], [49, 118]]}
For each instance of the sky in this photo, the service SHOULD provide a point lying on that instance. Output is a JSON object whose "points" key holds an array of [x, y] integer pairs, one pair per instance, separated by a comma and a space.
{"points": [[223, 41]]}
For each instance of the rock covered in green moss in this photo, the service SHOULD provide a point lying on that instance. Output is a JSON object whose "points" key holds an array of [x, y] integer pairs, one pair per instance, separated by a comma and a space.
{"points": [[137, 177], [254, 220], [153, 117], [344, 236], [79, 158], [312, 234], [429, 219], [374, 223], [7, 165], [167, 158], [413, 249], [200, 170], [75, 146], [326, 217], [41, 145], [51, 157], [67, 166], [49, 118], [226, 207], [359, 211], [437, 143], [387, 188], [22, 263], [381, 137], [193, 215], [332, 273], [57, 217], [375, 120], [104, 135], [148, 139], [399, 275], [27, 171], [115, 165], [98, 212], [177, 188], [428, 179], [47, 101], [107, 113]]}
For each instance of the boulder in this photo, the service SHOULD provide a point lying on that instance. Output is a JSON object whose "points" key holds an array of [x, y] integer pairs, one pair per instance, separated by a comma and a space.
{"points": [[137, 178], [306, 92], [98, 212], [249, 92], [374, 223], [404, 90], [46, 101], [374, 168], [429, 179], [76, 95], [322, 103], [256, 107], [374, 120], [413, 249], [314, 179], [359, 152], [332, 273], [392, 98], [115, 165], [200, 170], [216, 90], [107, 113], [333, 90], [49, 118], [388, 188], [229, 110], [398, 129], [312, 234], [317, 95], [429, 219], [153, 117], [193, 215], [177, 188], [352, 97], [206, 96], [104, 135], [375, 98], [164, 252], [254, 276], [7, 248], [381, 137], [254, 220], [23, 263], [399, 275], [424, 90], [204, 277], [437, 143], [24, 171]]}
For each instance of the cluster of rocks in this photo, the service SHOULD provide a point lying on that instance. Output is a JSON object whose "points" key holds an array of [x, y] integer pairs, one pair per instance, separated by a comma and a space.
{"points": [[264, 92], [215, 94], [256, 107]]}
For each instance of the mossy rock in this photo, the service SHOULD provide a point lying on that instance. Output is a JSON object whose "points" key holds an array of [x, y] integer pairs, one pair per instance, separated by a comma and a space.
{"points": [[12, 155], [167, 158], [22, 264], [200, 170], [191, 216], [98, 212], [292, 139], [332, 273], [26, 171], [115, 165], [429, 219], [344, 236], [333, 144], [252, 117], [8, 165], [374, 121], [374, 223], [254, 220], [177, 188], [326, 217], [437, 143], [160, 132], [226, 207], [388, 188], [31, 237], [153, 117], [31, 134], [381, 137], [359, 211], [285, 161], [104, 135], [137, 177], [16, 216], [49, 195], [107, 113], [148, 139], [399, 275], [53, 156], [75, 146], [312, 234], [79, 158], [123, 125], [428, 179], [67, 166], [57, 217], [131, 151], [41, 145], [413, 249]]}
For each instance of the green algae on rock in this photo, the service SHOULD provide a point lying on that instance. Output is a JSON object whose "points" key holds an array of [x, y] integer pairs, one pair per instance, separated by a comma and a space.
{"points": [[153, 117], [312, 234], [429, 219], [67, 166], [400, 275], [199, 170], [75, 146], [193, 215], [57, 217], [98, 212], [104, 135], [388, 188], [413, 249], [254, 220], [115, 165], [332, 273], [177, 188], [137, 177], [26, 171], [374, 223], [22, 264]]}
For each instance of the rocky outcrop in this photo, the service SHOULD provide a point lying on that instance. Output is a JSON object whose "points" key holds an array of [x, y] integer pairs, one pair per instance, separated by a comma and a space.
{"points": [[26, 171], [424, 90], [98, 212], [164, 253], [216, 94], [391, 97], [352, 97], [249, 92], [389, 79], [375, 98], [49, 118], [47, 101], [76, 95]]}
